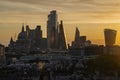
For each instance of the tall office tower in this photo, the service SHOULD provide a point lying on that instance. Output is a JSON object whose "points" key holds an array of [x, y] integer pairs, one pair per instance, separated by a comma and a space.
{"points": [[52, 30], [110, 37], [77, 35], [62, 41]]}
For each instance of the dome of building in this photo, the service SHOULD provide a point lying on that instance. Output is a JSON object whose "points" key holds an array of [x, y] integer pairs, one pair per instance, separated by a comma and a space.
{"points": [[22, 35]]}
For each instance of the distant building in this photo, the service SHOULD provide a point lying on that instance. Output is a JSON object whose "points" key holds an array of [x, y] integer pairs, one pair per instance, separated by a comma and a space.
{"points": [[76, 42], [52, 30], [55, 33], [27, 41], [110, 37], [62, 41], [80, 41]]}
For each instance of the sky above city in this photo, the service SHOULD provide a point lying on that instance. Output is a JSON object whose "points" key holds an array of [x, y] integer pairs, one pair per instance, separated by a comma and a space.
{"points": [[90, 16]]}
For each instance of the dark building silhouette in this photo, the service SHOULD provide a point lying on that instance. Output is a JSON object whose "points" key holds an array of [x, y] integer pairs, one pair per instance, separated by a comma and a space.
{"points": [[52, 30], [62, 41], [76, 42], [80, 41], [55, 33], [77, 35], [27, 41], [110, 37]]}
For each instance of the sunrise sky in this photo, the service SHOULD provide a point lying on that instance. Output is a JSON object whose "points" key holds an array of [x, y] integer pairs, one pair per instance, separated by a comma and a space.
{"points": [[90, 16]]}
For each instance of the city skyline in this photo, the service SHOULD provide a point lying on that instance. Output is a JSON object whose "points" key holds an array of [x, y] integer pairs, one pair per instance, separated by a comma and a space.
{"points": [[81, 13], [90, 33], [59, 39]]}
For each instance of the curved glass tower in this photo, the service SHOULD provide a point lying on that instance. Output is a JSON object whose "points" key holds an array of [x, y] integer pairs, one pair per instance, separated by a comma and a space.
{"points": [[110, 37]]}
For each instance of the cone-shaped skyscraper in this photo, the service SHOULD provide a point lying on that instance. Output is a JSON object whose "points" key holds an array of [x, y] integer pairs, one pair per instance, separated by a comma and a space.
{"points": [[62, 41], [76, 42]]}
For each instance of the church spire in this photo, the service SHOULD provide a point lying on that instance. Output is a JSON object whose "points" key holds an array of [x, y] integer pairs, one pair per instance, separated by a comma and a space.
{"points": [[22, 27]]}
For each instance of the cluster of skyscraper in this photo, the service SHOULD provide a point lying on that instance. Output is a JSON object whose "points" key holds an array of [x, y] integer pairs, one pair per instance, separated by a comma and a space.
{"points": [[32, 40], [55, 32]]}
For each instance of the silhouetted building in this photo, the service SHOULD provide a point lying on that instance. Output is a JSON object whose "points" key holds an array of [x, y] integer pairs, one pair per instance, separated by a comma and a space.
{"points": [[83, 41], [22, 43], [52, 30], [80, 41], [62, 41], [31, 39], [55, 33], [76, 42], [110, 37], [77, 35], [27, 41], [43, 43]]}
